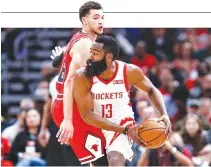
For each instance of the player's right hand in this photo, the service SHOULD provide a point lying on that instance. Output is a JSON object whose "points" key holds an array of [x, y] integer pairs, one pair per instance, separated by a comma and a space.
{"points": [[65, 131], [56, 52], [132, 133]]}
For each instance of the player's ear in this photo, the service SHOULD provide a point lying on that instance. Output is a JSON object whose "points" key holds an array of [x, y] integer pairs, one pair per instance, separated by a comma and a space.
{"points": [[110, 57], [84, 20]]}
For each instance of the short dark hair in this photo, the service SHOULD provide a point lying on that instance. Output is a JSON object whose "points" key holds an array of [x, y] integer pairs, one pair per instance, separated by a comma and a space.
{"points": [[109, 44], [86, 7]]}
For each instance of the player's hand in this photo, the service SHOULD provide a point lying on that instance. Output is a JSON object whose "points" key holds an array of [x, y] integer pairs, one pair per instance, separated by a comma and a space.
{"points": [[65, 132], [168, 145], [167, 121], [43, 137], [133, 134], [56, 52]]}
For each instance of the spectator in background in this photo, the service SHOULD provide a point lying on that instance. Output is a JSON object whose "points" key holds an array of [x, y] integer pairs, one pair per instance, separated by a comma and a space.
{"points": [[193, 106], [11, 132], [140, 106], [47, 70], [142, 59], [196, 86], [186, 63], [158, 42], [194, 138], [180, 96], [206, 87], [40, 87], [167, 155], [197, 36], [26, 151], [167, 86], [176, 51], [205, 54], [42, 90], [205, 110], [5, 119], [138, 95]]}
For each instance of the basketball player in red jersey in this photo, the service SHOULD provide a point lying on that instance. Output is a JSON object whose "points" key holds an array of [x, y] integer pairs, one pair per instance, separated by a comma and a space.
{"points": [[101, 91], [87, 141]]}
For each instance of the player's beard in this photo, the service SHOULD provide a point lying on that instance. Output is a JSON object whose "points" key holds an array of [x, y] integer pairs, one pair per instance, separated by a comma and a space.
{"points": [[95, 68]]}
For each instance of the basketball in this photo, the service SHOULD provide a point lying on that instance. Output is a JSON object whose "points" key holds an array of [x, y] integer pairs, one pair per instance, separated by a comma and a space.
{"points": [[153, 133]]}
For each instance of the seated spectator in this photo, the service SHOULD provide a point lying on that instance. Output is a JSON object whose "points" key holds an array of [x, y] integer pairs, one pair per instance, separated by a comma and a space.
{"points": [[167, 155], [205, 110], [180, 96], [41, 91], [186, 62], [140, 106], [205, 54], [11, 132], [137, 95], [195, 139], [176, 51], [142, 59], [26, 150], [206, 87], [195, 85]]}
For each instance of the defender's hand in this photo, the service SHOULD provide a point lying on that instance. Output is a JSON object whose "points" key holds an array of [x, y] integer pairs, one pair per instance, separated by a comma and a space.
{"points": [[56, 52], [65, 132]]}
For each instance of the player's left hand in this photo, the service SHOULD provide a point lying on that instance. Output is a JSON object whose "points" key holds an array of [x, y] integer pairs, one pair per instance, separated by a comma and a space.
{"points": [[167, 121], [65, 131], [56, 52], [132, 133]]}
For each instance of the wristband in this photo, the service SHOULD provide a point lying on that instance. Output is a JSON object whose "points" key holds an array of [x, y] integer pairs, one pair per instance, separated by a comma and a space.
{"points": [[173, 150], [57, 61], [125, 131]]}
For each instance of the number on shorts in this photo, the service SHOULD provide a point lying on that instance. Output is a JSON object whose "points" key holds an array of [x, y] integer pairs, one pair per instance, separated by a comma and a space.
{"points": [[62, 73], [107, 111]]}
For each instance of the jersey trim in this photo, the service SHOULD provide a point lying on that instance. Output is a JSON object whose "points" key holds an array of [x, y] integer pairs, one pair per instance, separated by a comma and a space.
{"points": [[112, 78], [125, 78]]}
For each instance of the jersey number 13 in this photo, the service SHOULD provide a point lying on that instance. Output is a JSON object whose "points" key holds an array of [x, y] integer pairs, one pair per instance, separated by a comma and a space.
{"points": [[107, 111]]}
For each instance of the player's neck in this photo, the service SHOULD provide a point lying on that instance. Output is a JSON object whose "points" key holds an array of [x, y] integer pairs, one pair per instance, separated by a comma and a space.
{"points": [[109, 72], [92, 36]]}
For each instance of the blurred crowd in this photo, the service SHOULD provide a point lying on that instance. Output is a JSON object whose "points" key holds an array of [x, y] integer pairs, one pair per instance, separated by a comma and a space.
{"points": [[177, 61]]}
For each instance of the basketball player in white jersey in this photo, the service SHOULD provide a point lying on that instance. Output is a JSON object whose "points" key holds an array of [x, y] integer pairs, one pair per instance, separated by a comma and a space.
{"points": [[101, 91]]}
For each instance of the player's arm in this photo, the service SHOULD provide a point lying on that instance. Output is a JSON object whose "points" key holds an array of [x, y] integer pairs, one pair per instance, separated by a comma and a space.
{"points": [[80, 52], [45, 122], [84, 101], [137, 78]]}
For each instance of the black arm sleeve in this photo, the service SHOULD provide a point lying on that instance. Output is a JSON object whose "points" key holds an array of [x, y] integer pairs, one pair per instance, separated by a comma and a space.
{"points": [[57, 61]]}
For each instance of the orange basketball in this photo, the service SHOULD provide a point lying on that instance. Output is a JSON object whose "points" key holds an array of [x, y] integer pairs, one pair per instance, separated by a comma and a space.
{"points": [[153, 133]]}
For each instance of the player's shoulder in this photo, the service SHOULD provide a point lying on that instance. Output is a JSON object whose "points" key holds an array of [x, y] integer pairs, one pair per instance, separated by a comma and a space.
{"points": [[131, 68], [82, 42]]}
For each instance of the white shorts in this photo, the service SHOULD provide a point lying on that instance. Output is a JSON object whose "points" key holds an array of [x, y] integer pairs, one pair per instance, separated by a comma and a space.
{"points": [[120, 142]]}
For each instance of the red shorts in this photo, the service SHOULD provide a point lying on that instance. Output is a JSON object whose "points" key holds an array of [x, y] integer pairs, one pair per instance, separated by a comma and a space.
{"points": [[88, 142]]}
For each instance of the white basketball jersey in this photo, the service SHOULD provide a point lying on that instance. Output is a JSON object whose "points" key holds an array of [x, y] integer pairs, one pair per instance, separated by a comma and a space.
{"points": [[111, 98]]}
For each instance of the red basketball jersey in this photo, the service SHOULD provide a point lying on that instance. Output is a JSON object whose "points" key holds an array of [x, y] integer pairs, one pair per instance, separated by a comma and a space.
{"points": [[64, 67]]}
